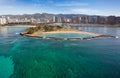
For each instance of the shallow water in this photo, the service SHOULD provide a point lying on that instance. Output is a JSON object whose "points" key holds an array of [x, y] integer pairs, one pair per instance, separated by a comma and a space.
{"points": [[66, 35], [6, 67], [42, 58]]}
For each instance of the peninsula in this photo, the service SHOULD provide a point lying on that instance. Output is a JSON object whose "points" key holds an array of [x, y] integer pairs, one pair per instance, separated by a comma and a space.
{"points": [[50, 29]]}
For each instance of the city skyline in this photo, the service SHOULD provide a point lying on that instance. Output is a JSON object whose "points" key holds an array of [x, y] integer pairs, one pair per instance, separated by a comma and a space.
{"points": [[89, 7]]}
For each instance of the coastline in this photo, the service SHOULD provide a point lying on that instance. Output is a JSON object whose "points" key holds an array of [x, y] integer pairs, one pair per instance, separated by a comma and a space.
{"points": [[47, 29], [68, 24], [19, 26], [61, 31], [92, 25], [75, 32], [94, 35]]}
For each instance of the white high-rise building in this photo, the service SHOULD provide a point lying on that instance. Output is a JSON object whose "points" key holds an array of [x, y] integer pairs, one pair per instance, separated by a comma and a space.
{"points": [[54, 19], [59, 20], [3, 20]]}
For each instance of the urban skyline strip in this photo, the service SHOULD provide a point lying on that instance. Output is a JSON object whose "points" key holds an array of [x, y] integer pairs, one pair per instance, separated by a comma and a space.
{"points": [[60, 18]]}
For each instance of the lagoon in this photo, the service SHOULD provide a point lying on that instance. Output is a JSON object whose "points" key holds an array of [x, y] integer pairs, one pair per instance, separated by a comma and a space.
{"points": [[66, 35], [49, 58]]}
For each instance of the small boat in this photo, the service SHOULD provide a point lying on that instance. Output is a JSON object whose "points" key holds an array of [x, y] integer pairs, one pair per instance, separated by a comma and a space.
{"points": [[16, 33]]}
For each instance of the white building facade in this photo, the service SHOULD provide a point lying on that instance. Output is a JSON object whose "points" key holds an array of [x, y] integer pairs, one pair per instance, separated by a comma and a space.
{"points": [[3, 20]]}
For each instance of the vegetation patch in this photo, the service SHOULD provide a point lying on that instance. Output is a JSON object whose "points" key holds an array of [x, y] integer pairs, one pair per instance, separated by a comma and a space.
{"points": [[42, 28]]}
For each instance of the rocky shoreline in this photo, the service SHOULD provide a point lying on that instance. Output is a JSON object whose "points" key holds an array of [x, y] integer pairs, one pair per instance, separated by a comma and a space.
{"points": [[46, 29], [86, 38]]}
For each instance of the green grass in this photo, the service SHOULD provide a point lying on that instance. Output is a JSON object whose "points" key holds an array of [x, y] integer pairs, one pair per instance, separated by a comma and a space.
{"points": [[42, 28]]}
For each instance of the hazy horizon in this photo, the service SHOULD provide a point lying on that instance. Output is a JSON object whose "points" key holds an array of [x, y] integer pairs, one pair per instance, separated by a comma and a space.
{"points": [[58, 14]]}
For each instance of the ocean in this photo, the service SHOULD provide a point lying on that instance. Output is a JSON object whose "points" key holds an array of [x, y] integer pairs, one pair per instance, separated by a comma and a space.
{"points": [[25, 57]]}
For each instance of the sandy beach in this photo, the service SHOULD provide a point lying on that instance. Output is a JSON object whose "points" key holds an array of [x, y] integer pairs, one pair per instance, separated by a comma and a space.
{"points": [[78, 32], [63, 31]]}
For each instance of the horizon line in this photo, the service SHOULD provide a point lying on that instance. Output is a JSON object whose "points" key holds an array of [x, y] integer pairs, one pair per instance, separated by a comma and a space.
{"points": [[60, 14]]}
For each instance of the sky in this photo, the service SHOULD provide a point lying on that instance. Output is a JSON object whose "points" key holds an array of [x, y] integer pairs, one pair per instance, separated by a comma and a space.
{"points": [[90, 7]]}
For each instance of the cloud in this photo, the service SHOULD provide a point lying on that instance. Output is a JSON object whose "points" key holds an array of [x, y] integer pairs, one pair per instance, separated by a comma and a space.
{"points": [[39, 1], [3, 1], [84, 11], [51, 1], [70, 4], [37, 5], [6, 2]]}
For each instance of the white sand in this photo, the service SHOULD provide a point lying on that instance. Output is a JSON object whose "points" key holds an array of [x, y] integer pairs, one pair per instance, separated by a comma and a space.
{"points": [[78, 32]]}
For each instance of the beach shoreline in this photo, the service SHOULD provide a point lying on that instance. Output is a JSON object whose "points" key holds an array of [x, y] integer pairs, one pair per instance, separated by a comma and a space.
{"points": [[19, 26], [94, 35], [61, 31], [46, 29]]}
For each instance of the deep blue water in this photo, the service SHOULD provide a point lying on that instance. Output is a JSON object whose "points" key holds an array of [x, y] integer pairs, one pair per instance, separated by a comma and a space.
{"points": [[24, 57]]}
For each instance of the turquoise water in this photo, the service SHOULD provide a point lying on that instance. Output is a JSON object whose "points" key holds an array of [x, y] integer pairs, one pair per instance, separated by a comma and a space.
{"points": [[66, 35], [42, 58], [6, 67]]}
